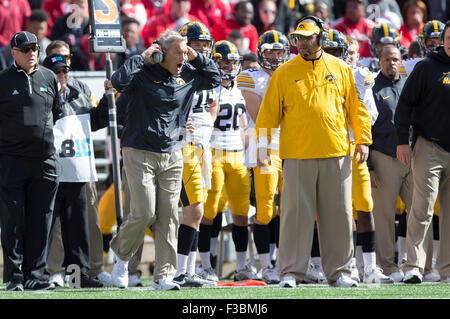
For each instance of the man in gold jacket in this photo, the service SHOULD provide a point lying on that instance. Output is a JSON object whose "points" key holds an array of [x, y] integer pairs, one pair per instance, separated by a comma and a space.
{"points": [[313, 99]]}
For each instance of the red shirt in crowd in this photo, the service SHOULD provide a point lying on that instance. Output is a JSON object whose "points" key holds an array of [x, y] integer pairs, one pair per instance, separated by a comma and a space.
{"points": [[153, 11], [407, 36], [209, 12], [159, 24], [14, 15], [249, 32], [359, 31]]}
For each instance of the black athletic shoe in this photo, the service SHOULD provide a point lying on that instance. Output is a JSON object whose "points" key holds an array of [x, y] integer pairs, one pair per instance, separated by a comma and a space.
{"points": [[34, 284], [86, 282], [14, 285]]}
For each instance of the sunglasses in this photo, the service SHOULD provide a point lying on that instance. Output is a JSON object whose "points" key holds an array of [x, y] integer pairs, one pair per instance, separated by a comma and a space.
{"points": [[64, 70], [267, 11], [27, 49]]}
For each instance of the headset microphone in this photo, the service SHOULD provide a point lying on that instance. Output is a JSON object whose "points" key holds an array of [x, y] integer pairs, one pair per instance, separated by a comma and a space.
{"points": [[311, 53]]}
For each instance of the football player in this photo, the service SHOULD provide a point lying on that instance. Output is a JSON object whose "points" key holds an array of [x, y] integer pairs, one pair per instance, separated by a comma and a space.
{"points": [[336, 44], [429, 38], [195, 175], [228, 170], [379, 36], [273, 50]]}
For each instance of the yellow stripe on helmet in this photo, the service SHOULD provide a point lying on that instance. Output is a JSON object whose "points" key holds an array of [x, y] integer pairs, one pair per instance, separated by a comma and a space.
{"points": [[435, 26], [386, 30], [330, 34], [275, 36]]}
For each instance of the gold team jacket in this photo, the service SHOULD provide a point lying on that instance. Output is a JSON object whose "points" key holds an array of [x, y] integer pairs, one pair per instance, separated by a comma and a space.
{"points": [[313, 102]]}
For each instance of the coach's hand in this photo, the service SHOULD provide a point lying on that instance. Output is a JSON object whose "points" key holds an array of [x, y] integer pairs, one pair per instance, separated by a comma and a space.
{"points": [[192, 54], [363, 151], [147, 54], [404, 153]]}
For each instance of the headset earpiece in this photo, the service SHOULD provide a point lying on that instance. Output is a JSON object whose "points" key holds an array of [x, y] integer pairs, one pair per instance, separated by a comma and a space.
{"points": [[158, 57]]}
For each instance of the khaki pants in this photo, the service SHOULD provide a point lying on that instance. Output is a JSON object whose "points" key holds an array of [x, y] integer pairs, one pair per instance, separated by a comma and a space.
{"points": [[395, 179], [431, 167], [154, 180], [56, 253], [133, 265], [322, 187]]}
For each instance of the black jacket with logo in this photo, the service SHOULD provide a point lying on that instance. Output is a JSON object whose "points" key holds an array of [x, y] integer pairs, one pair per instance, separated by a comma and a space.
{"points": [[159, 102], [425, 102], [386, 94], [29, 106]]}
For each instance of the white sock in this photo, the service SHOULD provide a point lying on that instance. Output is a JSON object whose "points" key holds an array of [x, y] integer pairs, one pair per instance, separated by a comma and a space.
{"points": [[213, 245], [264, 260], [273, 251], [241, 260], [370, 259], [435, 249], [191, 263], [206, 261], [316, 260], [181, 264], [401, 247]]}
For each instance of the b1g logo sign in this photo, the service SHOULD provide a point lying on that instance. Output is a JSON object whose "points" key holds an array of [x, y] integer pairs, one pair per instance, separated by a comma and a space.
{"points": [[106, 31], [76, 148]]}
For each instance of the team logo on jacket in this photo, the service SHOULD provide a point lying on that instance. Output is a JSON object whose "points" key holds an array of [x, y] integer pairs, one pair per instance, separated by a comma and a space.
{"points": [[180, 81], [330, 78], [446, 79]]}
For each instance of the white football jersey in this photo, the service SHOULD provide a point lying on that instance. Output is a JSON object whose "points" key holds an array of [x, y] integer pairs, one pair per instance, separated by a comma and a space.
{"points": [[227, 134], [364, 82], [409, 65], [201, 117], [256, 81]]}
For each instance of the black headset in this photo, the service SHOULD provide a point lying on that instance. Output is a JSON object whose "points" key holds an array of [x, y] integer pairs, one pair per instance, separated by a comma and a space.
{"points": [[321, 38]]}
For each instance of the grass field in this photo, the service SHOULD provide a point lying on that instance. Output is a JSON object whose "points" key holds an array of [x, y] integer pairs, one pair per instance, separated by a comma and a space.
{"points": [[396, 291]]}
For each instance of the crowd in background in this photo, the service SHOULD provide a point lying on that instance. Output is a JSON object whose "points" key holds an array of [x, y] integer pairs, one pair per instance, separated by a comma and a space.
{"points": [[242, 22]]}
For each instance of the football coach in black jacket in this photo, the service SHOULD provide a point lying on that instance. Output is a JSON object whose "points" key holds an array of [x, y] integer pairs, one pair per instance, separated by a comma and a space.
{"points": [[160, 96], [424, 105], [29, 106]]}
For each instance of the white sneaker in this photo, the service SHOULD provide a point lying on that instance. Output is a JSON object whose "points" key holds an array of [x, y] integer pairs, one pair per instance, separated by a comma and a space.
{"points": [[288, 282], [374, 275], [105, 278], [270, 276], [431, 277], [119, 274], [354, 274], [57, 279], [165, 284], [134, 281], [413, 276], [397, 276], [344, 282], [315, 275], [208, 274], [245, 274]]}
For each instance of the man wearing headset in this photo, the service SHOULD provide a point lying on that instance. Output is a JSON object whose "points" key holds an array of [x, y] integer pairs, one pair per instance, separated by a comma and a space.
{"points": [[313, 99], [423, 106]]}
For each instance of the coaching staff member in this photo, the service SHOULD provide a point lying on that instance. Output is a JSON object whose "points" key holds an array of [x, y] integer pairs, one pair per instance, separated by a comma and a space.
{"points": [[160, 96], [424, 106], [29, 105], [313, 99]]}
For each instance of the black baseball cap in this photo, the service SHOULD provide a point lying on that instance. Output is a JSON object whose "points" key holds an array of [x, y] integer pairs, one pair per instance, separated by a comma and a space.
{"points": [[22, 39], [54, 62]]}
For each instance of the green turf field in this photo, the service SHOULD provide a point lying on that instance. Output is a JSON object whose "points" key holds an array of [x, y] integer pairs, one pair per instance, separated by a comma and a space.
{"points": [[396, 291]]}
